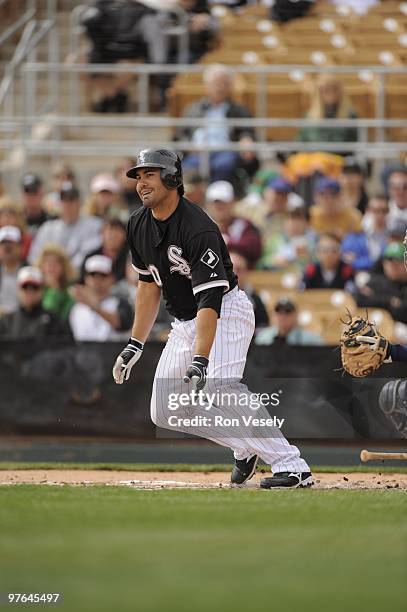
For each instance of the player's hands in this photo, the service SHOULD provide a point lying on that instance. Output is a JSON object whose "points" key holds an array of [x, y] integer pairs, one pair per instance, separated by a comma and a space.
{"points": [[126, 360], [197, 372]]}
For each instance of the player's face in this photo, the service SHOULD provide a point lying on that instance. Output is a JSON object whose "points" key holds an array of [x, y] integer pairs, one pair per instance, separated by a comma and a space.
{"points": [[150, 187]]}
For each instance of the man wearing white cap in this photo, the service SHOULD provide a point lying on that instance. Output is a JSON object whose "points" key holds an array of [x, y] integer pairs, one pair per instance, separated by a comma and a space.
{"points": [[239, 234], [98, 315], [30, 321], [10, 262]]}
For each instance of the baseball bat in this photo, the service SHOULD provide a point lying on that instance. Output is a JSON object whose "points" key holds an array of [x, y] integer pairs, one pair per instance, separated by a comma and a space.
{"points": [[194, 380], [366, 455]]}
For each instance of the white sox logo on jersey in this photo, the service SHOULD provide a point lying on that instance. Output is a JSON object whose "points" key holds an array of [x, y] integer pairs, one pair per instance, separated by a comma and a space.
{"points": [[209, 258], [181, 265]]}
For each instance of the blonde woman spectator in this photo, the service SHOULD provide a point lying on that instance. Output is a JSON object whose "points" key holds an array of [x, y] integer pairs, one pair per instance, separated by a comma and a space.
{"points": [[12, 214], [329, 101], [58, 274], [104, 201]]}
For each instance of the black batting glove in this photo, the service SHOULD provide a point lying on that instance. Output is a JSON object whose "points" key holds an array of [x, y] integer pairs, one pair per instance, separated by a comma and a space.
{"points": [[126, 360], [197, 372]]}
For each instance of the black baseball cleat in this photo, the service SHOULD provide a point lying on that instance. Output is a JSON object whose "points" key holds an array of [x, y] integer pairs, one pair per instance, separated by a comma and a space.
{"points": [[293, 480], [243, 470]]}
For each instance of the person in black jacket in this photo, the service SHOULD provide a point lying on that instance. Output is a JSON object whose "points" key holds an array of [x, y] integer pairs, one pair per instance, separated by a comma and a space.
{"points": [[387, 290], [328, 271], [30, 321]]}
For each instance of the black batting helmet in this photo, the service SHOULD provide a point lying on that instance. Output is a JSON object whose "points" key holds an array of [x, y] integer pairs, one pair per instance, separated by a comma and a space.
{"points": [[167, 160]]}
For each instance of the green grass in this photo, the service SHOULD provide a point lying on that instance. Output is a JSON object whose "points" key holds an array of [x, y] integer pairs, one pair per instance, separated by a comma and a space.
{"points": [[184, 467], [119, 549]]}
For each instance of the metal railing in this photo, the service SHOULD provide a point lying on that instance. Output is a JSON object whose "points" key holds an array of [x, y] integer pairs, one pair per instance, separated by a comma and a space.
{"points": [[144, 72], [33, 33], [19, 23]]}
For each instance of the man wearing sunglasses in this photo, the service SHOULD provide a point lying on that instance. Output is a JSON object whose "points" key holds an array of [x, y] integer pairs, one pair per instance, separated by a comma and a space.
{"points": [[98, 315], [30, 320]]}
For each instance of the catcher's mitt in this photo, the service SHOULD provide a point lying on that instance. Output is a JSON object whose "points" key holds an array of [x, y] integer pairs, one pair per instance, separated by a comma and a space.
{"points": [[363, 349]]}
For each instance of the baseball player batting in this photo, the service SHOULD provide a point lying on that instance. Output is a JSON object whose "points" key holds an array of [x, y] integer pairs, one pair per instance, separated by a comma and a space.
{"points": [[176, 248]]}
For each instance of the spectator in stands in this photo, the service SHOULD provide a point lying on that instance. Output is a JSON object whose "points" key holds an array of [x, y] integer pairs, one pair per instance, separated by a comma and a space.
{"points": [[285, 10], [127, 289], [77, 235], [30, 321], [299, 240], [195, 188], [103, 201], [387, 290], [61, 173], [285, 328], [215, 108], [352, 182], [269, 216], [128, 31], [329, 101], [330, 214], [398, 194], [374, 225], [128, 194], [33, 202], [11, 261], [241, 268], [11, 214], [328, 271], [202, 29], [396, 230], [239, 234], [99, 315], [58, 274], [114, 246]]}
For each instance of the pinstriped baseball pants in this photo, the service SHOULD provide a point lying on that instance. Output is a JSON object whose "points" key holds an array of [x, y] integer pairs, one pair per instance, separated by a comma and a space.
{"points": [[226, 364]]}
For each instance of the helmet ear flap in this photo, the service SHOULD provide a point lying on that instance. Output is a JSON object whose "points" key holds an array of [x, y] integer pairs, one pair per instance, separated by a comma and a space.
{"points": [[170, 180]]}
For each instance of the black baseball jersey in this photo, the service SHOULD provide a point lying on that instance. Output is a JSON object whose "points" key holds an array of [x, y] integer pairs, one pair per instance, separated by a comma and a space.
{"points": [[184, 255]]}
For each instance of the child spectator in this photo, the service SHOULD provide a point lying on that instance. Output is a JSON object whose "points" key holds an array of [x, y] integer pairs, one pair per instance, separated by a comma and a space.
{"points": [[328, 271], [99, 315], [58, 274]]}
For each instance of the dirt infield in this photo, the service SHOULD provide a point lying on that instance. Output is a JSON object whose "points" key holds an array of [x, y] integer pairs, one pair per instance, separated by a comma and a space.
{"points": [[189, 480]]}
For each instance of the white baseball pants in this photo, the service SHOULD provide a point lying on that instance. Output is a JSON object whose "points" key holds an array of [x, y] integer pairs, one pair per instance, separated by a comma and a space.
{"points": [[226, 364]]}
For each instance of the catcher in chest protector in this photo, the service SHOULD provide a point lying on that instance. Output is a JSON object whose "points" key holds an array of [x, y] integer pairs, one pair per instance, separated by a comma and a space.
{"points": [[364, 350]]}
